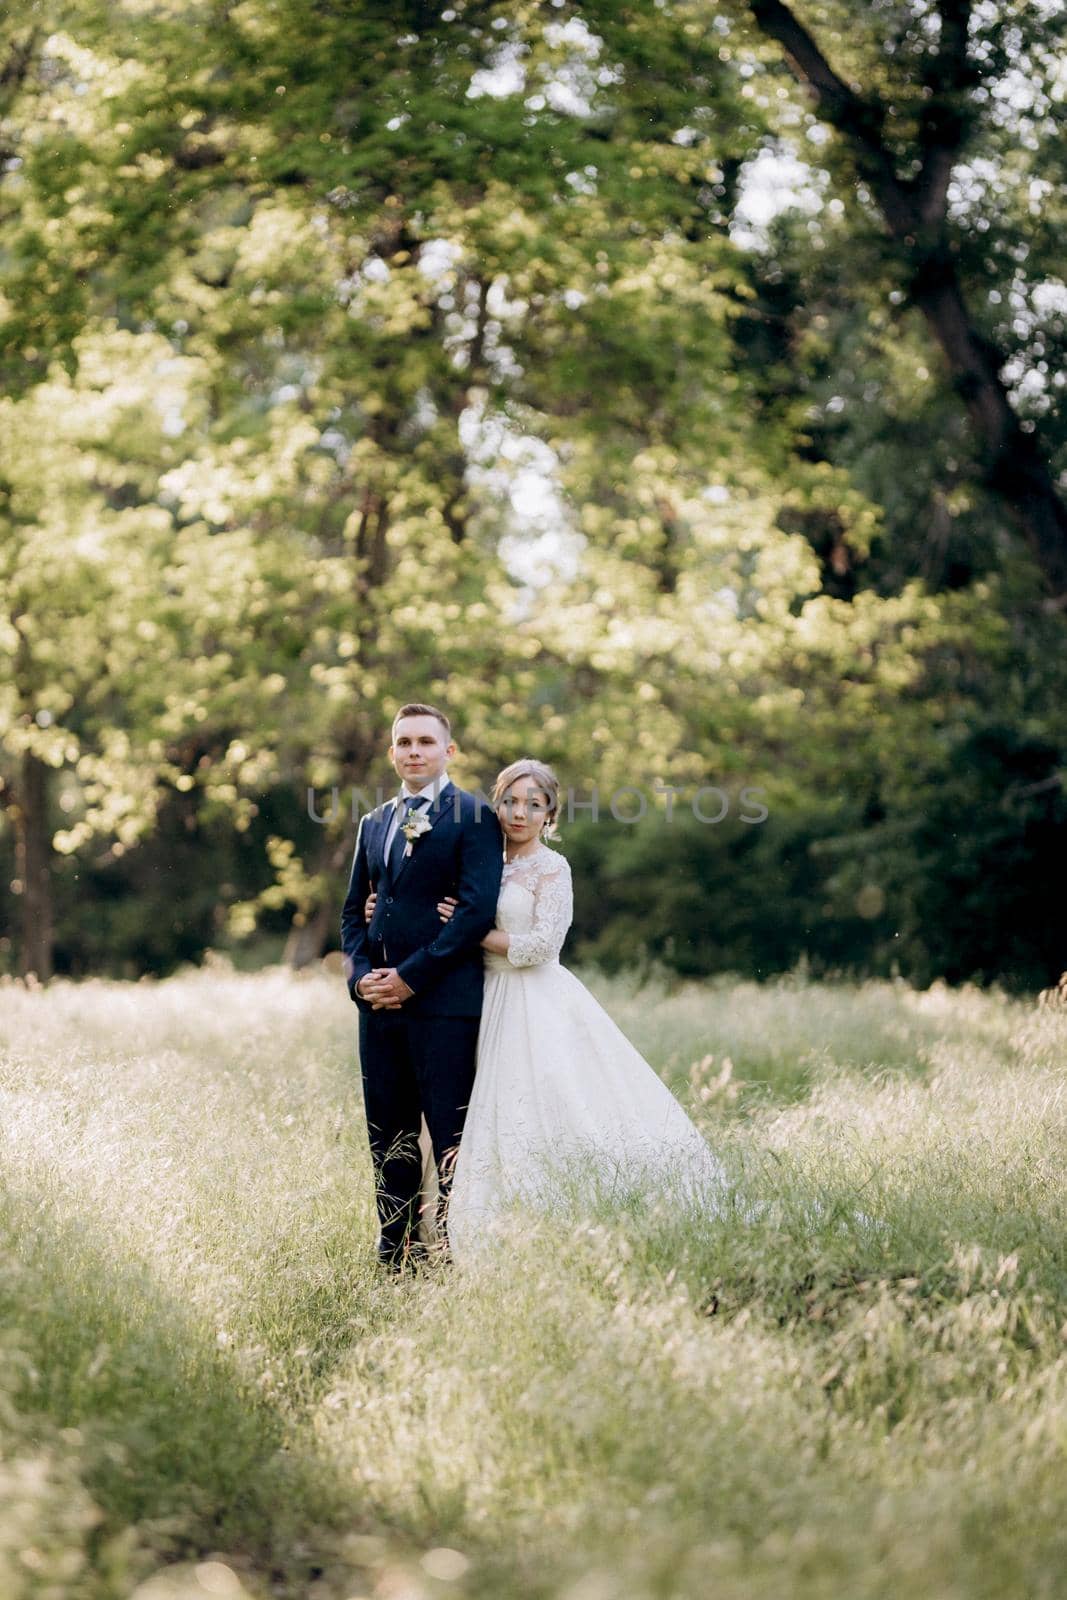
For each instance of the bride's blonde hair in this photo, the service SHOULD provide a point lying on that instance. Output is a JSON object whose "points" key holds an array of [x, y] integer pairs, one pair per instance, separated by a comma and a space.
{"points": [[546, 781]]}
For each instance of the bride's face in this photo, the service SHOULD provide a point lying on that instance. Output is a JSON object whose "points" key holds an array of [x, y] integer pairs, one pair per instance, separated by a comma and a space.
{"points": [[523, 810]]}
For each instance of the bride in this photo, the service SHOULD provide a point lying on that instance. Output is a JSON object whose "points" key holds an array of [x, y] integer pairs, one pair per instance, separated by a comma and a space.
{"points": [[563, 1105]]}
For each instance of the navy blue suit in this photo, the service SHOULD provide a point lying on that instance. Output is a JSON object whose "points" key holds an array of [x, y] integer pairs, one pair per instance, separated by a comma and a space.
{"points": [[419, 1060]]}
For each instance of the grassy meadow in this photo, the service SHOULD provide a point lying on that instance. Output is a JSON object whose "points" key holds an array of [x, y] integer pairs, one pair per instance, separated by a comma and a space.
{"points": [[207, 1389]]}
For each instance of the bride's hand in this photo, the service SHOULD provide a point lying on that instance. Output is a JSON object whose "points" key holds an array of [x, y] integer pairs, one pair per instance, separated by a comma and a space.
{"points": [[446, 907], [369, 905]]}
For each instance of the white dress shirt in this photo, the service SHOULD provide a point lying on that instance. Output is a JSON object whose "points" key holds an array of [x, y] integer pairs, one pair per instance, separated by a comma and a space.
{"points": [[431, 789]]}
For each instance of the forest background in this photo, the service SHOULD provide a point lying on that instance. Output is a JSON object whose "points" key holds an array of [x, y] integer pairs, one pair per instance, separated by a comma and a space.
{"points": [[671, 391]]}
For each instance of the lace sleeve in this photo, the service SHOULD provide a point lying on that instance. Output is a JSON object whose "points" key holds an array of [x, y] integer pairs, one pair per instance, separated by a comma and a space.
{"points": [[553, 910]]}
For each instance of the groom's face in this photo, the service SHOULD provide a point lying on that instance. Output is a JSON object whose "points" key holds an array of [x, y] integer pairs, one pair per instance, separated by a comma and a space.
{"points": [[420, 750]]}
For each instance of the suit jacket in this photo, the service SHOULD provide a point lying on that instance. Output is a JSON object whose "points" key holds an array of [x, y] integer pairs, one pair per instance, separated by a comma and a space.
{"points": [[462, 854]]}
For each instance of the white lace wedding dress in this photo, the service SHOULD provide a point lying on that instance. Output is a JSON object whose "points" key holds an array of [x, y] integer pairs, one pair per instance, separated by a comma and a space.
{"points": [[562, 1101]]}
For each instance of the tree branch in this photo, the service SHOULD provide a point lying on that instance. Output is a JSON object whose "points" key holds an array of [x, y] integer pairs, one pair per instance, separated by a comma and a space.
{"points": [[859, 119], [945, 119], [16, 68], [1015, 469]]}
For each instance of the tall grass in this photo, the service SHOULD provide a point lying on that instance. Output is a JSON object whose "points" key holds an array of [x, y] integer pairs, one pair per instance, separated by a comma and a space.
{"points": [[854, 1385]]}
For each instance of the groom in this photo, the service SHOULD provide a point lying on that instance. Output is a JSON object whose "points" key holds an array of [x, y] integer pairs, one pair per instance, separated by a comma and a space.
{"points": [[418, 982]]}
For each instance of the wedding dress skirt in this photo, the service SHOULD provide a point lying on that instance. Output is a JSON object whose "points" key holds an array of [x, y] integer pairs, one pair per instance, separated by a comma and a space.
{"points": [[564, 1108]]}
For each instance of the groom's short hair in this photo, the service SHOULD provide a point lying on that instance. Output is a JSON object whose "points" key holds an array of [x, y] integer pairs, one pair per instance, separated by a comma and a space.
{"points": [[417, 709]]}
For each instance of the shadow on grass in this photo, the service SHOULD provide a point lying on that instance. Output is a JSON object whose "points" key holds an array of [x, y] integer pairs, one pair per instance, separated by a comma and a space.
{"points": [[178, 1450]]}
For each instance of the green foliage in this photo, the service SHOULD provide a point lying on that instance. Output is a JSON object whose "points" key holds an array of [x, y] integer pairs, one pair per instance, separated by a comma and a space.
{"points": [[358, 353]]}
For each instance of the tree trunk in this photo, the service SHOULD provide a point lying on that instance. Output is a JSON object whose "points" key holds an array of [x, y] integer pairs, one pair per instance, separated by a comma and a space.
{"points": [[32, 867], [309, 933], [1016, 469], [308, 936]]}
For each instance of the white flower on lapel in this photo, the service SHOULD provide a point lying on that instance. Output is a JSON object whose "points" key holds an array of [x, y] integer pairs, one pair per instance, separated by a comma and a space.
{"points": [[417, 824]]}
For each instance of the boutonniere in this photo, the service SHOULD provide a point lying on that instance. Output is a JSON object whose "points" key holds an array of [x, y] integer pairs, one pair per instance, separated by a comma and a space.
{"points": [[417, 824]]}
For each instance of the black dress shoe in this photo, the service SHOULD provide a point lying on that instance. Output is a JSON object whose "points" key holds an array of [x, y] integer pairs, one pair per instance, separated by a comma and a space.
{"points": [[411, 1256], [393, 1257]]}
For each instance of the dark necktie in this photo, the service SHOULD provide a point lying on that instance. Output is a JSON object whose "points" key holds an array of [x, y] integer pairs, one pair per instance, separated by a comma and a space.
{"points": [[412, 803]]}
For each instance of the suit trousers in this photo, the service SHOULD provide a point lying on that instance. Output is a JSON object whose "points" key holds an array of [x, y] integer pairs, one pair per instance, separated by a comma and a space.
{"points": [[413, 1066]]}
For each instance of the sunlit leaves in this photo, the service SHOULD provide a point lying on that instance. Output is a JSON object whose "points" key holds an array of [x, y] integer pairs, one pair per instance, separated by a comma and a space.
{"points": [[354, 354]]}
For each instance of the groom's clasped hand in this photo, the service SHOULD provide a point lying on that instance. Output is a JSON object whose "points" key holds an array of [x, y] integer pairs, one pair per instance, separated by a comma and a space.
{"points": [[384, 987]]}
